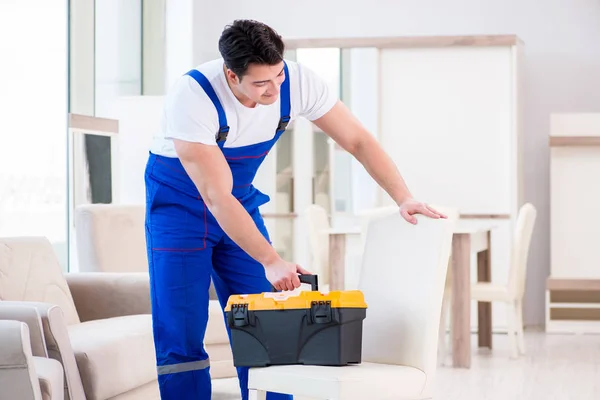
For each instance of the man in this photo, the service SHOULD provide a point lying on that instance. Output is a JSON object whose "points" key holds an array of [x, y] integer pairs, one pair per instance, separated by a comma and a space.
{"points": [[220, 121]]}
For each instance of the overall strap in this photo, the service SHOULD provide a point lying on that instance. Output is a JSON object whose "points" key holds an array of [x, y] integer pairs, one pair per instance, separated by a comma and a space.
{"points": [[284, 94], [205, 84]]}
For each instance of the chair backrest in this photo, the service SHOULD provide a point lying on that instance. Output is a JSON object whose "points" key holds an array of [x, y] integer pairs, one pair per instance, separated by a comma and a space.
{"points": [[366, 216], [318, 238], [520, 249], [29, 271], [403, 275], [111, 238]]}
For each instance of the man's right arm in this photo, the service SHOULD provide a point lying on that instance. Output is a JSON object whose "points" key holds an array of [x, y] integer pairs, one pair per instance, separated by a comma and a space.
{"points": [[208, 169]]}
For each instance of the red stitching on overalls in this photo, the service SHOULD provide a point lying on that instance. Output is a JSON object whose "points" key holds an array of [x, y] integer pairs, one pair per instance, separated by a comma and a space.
{"points": [[168, 166], [184, 250], [244, 157]]}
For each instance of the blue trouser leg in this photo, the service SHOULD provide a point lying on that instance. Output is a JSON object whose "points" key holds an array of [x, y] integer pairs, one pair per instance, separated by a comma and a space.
{"points": [[235, 272], [180, 264]]}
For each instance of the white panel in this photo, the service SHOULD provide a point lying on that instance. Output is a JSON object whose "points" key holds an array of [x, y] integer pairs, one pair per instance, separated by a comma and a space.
{"points": [[303, 167], [179, 32], [446, 120], [575, 224], [363, 101], [139, 120]]}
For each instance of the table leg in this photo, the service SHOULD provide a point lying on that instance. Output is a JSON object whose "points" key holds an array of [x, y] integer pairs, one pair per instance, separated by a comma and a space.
{"points": [[337, 261], [461, 300], [484, 309]]}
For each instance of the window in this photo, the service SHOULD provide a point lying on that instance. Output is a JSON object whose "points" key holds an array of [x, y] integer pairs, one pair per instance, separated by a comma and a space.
{"points": [[33, 118]]}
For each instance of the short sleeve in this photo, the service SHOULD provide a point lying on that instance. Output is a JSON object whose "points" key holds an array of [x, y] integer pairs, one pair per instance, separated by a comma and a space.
{"points": [[189, 113], [316, 97]]}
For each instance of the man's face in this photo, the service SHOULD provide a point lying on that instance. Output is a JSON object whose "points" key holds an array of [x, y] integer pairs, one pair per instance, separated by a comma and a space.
{"points": [[261, 83]]}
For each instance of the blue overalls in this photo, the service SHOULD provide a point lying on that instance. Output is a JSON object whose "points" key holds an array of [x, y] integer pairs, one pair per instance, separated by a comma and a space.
{"points": [[186, 248]]}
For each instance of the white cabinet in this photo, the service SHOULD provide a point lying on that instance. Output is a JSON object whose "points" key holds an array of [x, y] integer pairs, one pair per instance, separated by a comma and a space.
{"points": [[573, 288]]}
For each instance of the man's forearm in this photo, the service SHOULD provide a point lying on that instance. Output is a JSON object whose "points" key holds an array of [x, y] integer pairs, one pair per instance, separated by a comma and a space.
{"points": [[381, 167], [241, 228]]}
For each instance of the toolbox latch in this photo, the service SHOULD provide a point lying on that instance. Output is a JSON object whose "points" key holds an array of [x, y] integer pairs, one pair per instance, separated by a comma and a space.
{"points": [[320, 312], [239, 315]]}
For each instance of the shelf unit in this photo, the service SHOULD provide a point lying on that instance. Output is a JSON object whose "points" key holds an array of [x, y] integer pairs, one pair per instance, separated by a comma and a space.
{"points": [[573, 288]]}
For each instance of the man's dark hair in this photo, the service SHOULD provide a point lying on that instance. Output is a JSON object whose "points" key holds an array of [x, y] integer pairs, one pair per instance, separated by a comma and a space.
{"points": [[248, 42]]}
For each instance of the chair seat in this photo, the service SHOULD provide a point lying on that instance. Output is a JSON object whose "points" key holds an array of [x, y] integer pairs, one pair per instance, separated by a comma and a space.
{"points": [[362, 381], [50, 375], [489, 292], [114, 355]]}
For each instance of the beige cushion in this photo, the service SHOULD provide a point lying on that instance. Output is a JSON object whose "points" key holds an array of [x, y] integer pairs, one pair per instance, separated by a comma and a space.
{"points": [[216, 333], [111, 238], [364, 381], [50, 376], [221, 361], [149, 391], [29, 271], [114, 355]]}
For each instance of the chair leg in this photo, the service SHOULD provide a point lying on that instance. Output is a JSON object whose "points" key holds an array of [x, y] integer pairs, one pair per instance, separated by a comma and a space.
{"points": [[520, 334], [511, 316], [257, 394], [442, 346]]}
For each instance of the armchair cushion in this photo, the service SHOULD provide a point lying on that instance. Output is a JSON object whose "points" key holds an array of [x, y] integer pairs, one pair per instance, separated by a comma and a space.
{"points": [[100, 295], [100, 249], [216, 333], [114, 355]]}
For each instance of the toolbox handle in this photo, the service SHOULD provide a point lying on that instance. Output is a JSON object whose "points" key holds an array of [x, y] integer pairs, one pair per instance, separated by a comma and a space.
{"points": [[311, 280]]}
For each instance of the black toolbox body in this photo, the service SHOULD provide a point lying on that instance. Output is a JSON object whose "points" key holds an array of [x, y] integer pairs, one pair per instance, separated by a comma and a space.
{"points": [[311, 328]]}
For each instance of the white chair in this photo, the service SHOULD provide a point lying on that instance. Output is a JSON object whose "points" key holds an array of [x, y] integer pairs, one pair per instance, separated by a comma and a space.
{"points": [[403, 275], [513, 291], [366, 216]]}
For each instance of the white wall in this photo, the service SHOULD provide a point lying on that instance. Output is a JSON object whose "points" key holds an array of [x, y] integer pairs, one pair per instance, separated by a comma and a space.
{"points": [[562, 66]]}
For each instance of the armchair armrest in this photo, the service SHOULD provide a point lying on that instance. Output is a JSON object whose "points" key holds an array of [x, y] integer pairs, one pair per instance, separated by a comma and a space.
{"points": [[18, 378], [28, 314], [58, 344], [99, 295]]}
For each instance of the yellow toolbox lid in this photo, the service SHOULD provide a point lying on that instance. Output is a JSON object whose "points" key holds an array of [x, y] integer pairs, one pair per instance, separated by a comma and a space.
{"points": [[294, 301]]}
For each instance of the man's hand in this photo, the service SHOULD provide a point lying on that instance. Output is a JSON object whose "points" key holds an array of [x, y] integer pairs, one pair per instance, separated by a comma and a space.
{"points": [[410, 207], [283, 275]]}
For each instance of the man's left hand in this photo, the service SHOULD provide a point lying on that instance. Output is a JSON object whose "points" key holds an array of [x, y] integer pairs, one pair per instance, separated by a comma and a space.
{"points": [[410, 207]]}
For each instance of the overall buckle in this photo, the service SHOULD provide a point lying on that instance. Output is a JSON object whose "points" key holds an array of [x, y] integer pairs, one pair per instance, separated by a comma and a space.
{"points": [[283, 123], [222, 134]]}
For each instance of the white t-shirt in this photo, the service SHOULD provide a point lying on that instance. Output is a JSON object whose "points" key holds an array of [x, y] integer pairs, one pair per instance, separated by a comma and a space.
{"points": [[190, 115]]}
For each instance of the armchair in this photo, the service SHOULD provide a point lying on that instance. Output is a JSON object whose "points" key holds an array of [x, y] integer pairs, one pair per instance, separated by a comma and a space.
{"points": [[98, 326], [23, 375]]}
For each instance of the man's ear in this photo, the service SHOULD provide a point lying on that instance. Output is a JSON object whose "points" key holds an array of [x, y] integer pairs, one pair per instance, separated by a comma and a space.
{"points": [[232, 77]]}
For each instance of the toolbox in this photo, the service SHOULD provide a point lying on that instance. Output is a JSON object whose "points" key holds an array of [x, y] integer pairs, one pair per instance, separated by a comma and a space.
{"points": [[306, 327]]}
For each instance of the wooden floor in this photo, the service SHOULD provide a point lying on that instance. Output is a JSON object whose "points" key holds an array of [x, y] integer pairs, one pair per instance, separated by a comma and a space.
{"points": [[556, 367]]}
